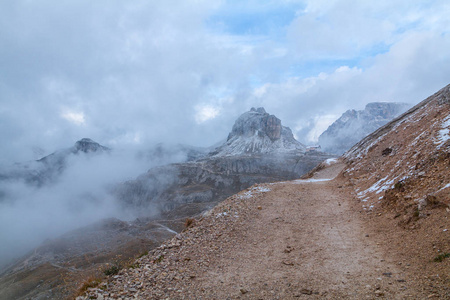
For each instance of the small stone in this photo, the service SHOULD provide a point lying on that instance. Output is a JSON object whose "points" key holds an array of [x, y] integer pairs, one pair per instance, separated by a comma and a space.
{"points": [[243, 291], [306, 292], [379, 293], [259, 207]]}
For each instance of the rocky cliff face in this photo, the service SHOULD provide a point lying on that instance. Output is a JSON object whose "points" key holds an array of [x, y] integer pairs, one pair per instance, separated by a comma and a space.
{"points": [[210, 180], [256, 131], [353, 125]]}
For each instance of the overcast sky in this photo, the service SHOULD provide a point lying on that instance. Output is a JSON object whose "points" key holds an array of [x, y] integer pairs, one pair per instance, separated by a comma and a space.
{"points": [[131, 73]]}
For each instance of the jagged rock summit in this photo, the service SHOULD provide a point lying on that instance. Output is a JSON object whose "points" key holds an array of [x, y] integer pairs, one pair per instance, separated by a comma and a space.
{"points": [[354, 125], [256, 131]]}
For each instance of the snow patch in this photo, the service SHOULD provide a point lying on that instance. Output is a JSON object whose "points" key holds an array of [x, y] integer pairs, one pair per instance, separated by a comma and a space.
{"points": [[331, 161], [445, 187], [222, 214], [444, 133], [254, 191], [309, 180]]}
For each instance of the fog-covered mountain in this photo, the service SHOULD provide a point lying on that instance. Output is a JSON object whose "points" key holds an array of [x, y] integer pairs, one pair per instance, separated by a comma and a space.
{"points": [[354, 125], [48, 168], [256, 131], [258, 149]]}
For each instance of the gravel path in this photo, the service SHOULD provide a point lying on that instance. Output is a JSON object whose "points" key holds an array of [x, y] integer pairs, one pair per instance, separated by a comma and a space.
{"points": [[290, 240]]}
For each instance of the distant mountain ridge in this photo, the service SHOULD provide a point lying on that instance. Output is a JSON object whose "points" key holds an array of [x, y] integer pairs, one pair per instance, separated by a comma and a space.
{"points": [[46, 169], [354, 125]]}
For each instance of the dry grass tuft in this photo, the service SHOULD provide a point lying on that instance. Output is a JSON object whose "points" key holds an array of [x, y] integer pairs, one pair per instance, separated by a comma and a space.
{"points": [[189, 222]]}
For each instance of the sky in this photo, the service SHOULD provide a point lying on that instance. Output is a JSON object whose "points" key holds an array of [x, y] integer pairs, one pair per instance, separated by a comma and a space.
{"points": [[134, 73]]}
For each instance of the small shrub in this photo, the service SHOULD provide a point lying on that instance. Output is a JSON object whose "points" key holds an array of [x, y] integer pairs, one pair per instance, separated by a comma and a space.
{"points": [[441, 257], [189, 222], [134, 266], [113, 270], [143, 254]]}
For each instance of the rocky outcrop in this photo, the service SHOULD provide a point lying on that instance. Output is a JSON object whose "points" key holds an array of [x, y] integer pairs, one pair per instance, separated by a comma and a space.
{"points": [[256, 131], [354, 125]]}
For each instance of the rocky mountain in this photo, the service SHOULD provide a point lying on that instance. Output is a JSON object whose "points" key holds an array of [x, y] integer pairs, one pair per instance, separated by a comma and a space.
{"points": [[258, 132], [258, 149], [354, 125], [48, 168]]}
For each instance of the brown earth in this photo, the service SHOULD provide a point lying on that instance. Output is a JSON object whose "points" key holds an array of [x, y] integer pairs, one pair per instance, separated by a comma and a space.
{"points": [[306, 239]]}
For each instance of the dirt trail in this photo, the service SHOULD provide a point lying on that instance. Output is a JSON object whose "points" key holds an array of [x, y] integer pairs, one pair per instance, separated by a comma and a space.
{"points": [[302, 239], [306, 242]]}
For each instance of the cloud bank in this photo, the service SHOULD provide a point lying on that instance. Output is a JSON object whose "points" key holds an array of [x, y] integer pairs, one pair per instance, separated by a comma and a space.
{"points": [[139, 72]]}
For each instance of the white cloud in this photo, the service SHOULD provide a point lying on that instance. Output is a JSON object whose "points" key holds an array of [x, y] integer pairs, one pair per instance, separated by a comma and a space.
{"points": [[205, 113], [320, 124], [120, 68], [76, 118]]}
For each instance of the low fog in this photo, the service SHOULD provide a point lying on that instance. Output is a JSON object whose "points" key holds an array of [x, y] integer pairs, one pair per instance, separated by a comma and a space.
{"points": [[79, 196]]}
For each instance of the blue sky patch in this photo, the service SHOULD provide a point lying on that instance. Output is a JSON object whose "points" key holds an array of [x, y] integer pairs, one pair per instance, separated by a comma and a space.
{"points": [[259, 18]]}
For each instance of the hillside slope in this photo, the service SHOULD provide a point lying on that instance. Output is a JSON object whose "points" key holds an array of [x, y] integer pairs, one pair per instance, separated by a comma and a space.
{"points": [[406, 163], [379, 229]]}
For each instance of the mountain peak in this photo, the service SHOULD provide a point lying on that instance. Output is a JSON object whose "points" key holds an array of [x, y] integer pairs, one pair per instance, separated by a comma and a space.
{"points": [[258, 122], [256, 131], [87, 145], [258, 110]]}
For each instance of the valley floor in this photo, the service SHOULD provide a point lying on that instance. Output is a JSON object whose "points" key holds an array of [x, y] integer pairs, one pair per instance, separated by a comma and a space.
{"points": [[303, 239]]}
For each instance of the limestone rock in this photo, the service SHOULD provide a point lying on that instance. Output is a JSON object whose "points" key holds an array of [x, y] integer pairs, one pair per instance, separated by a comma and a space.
{"points": [[256, 131]]}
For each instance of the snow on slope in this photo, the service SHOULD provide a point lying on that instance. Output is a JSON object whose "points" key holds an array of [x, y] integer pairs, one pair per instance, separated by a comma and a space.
{"points": [[408, 157]]}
